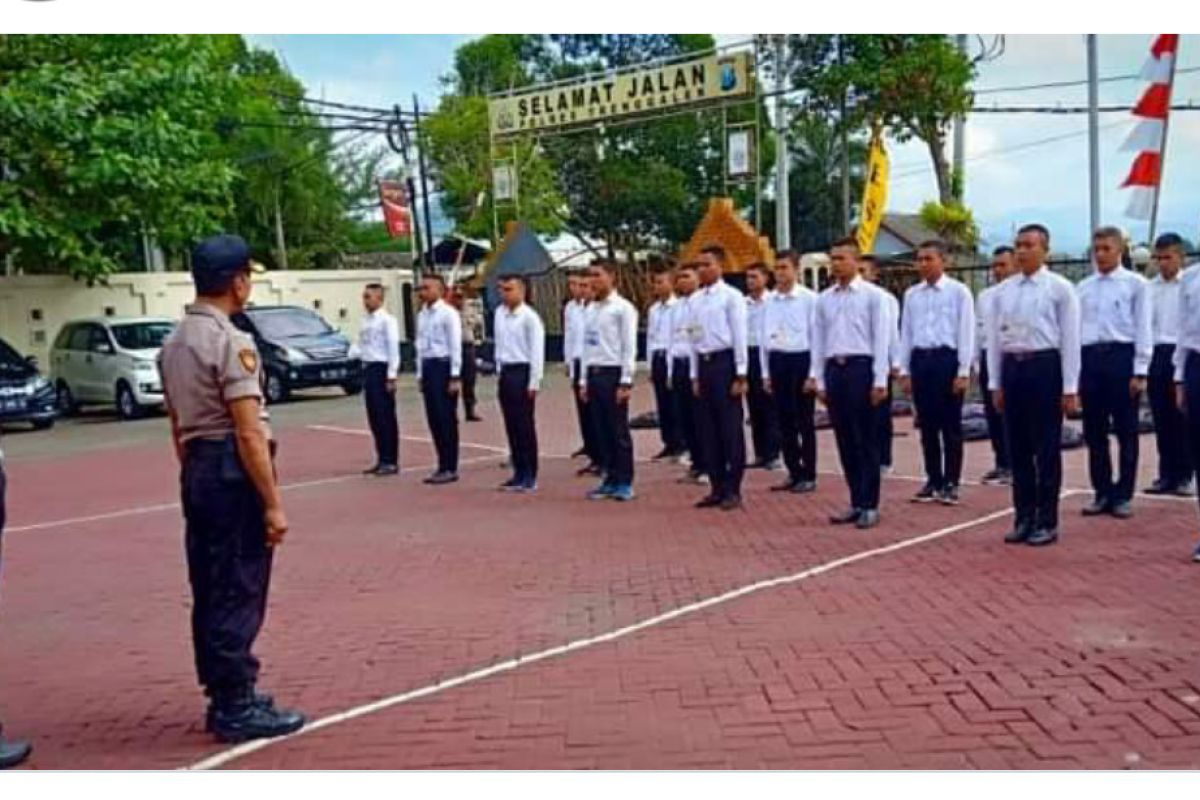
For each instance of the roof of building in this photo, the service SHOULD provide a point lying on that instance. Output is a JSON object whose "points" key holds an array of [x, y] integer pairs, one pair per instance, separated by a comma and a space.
{"points": [[724, 226]]}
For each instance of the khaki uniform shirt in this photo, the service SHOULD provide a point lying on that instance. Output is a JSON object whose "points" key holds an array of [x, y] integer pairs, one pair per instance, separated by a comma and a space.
{"points": [[207, 363]]}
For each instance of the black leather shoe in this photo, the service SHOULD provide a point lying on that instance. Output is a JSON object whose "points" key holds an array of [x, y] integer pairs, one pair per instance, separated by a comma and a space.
{"points": [[949, 496], [385, 470], [867, 519], [1095, 508], [928, 494], [1042, 537], [474, 418], [708, 501], [1183, 490], [371, 470], [804, 487], [787, 486], [243, 723], [590, 469], [580, 452], [1158, 487], [1122, 510], [261, 699], [846, 517], [731, 503], [13, 753], [440, 478], [1019, 534], [666, 452]]}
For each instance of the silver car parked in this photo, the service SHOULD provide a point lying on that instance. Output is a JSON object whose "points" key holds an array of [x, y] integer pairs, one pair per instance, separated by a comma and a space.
{"points": [[111, 362]]}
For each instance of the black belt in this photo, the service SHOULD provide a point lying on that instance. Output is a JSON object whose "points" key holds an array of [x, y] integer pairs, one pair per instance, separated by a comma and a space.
{"points": [[845, 361], [207, 448], [939, 349], [1107, 347], [438, 360], [658, 354], [1164, 346], [715, 355], [522, 365], [601, 369], [1032, 355]]}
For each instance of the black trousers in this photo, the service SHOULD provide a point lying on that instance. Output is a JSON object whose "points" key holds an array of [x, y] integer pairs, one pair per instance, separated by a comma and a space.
{"points": [[586, 428], [518, 410], [1033, 387], [995, 420], [441, 411], [794, 409], [848, 384], [685, 402], [885, 428], [722, 426], [610, 422], [469, 372], [1191, 410], [229, 565], [669, 427], [939, 414], [1170, 432], [1104, 377], [381, 414], [764, 418]]}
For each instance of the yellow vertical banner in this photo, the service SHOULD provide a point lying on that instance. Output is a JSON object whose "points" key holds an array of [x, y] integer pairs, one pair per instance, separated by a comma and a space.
{"points": [[874, 200]]}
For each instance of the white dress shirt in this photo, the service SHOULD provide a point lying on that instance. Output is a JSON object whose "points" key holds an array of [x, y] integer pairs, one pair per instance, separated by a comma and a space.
{"points": [[892, 306], [852, 320], [787, 324], [682, 335], [719, 323], [983, 314], [379, 341], [754, 317], [1031, 313], [1115, 307], [1188, 339], [610, 337], [439, 335], [521, 339], [573, 324], [1164, 309], [939, 314], [658, 325]]}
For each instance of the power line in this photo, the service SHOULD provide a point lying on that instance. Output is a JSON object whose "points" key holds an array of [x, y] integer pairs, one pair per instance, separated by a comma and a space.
{"points": [[1030, 87], [1068, 109]]}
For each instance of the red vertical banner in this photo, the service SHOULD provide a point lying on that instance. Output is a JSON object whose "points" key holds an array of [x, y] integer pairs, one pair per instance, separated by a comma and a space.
{"points": [[393, 198]]}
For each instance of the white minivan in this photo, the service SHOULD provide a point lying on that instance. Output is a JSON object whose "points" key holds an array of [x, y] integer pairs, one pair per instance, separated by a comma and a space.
{"points": [[109, 361]]}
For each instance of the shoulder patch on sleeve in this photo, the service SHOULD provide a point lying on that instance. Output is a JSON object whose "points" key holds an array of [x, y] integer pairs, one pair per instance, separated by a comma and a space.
{"points": [[248, 357]]}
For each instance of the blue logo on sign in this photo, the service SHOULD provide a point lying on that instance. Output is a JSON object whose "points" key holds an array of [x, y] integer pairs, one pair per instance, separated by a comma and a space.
{"points": [[728, 78]]}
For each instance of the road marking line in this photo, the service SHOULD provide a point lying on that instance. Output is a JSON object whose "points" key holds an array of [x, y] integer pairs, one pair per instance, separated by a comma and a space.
{"points": [[153, 509], [231, 754]]}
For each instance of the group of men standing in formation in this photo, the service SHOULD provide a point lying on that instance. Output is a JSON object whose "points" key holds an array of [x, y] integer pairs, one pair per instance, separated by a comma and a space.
{"points": [[1040, 348]]}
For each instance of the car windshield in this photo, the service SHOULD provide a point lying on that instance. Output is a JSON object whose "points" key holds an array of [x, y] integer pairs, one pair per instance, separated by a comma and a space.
{"points": [[11, 361], [288, 323], [142, 335]]}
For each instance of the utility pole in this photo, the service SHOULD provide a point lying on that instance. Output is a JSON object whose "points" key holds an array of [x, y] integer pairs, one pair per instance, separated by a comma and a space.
{"points": [[960, 137], [280, 244], [845, 148], [1162, 149], [399, 144], [783, 205], [1093, 70], [424, 177]]}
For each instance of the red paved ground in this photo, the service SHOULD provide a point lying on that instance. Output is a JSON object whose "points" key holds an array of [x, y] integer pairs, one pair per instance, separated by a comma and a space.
{"points": [[958, 652]]}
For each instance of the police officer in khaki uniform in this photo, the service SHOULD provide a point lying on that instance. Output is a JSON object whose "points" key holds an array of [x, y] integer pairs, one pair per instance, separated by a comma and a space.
{"points": [[212, 379]]}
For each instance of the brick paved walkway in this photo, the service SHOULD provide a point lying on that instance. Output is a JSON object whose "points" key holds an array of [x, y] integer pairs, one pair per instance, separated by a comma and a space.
{"points": [[954, 652]]}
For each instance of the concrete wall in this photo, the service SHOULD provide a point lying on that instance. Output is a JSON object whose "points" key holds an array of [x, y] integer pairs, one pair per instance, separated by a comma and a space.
{"points": [[33, 308]]}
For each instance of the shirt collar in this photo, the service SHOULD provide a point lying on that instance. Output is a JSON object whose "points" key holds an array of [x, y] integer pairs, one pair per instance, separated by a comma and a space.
{"points": [[206, 310], [1112, 275], [512, 312], [1036, 277], [1160, 279], [939, 284], [790, 295], [856, 283]]}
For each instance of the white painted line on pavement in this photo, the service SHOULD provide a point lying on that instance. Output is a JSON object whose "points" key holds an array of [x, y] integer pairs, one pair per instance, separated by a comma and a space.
{"points": [[232, 754]]}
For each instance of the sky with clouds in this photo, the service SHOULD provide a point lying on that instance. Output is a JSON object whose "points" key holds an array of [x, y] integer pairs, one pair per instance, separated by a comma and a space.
{"points": [[1013, 175]]}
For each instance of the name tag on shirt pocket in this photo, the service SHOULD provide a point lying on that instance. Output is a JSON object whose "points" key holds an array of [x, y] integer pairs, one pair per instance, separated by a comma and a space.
{"points": [[592, 338]]}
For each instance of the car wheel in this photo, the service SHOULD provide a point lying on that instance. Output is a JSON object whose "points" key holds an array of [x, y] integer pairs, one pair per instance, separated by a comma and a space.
{"points": [[66, 401], [352, 388], [276, 388], [127, 404], [43, 424]]}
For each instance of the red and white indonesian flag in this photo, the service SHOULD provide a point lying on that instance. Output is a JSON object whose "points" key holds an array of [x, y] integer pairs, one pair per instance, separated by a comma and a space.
{"points": [[1146, 138]]}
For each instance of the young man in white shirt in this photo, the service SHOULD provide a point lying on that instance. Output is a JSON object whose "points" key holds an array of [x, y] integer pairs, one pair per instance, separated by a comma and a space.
{"points": [[1033, 374], [520, 359], [606, 381], [1115, 335], [1170, 430], [1003, 265], [379, 349], [787, 369], [764, 420], [885, 428], [579, 289], [658, 345], [937, 344], [439, 365], [680, 369]]}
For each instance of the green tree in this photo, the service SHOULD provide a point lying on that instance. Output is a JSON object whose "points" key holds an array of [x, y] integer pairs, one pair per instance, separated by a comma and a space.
{"points": [[913, 84], [104, 139]]}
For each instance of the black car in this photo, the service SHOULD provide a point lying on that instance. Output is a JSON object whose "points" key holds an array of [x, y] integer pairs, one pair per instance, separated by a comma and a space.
{"points": [[299, 351], [25, 396]]}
